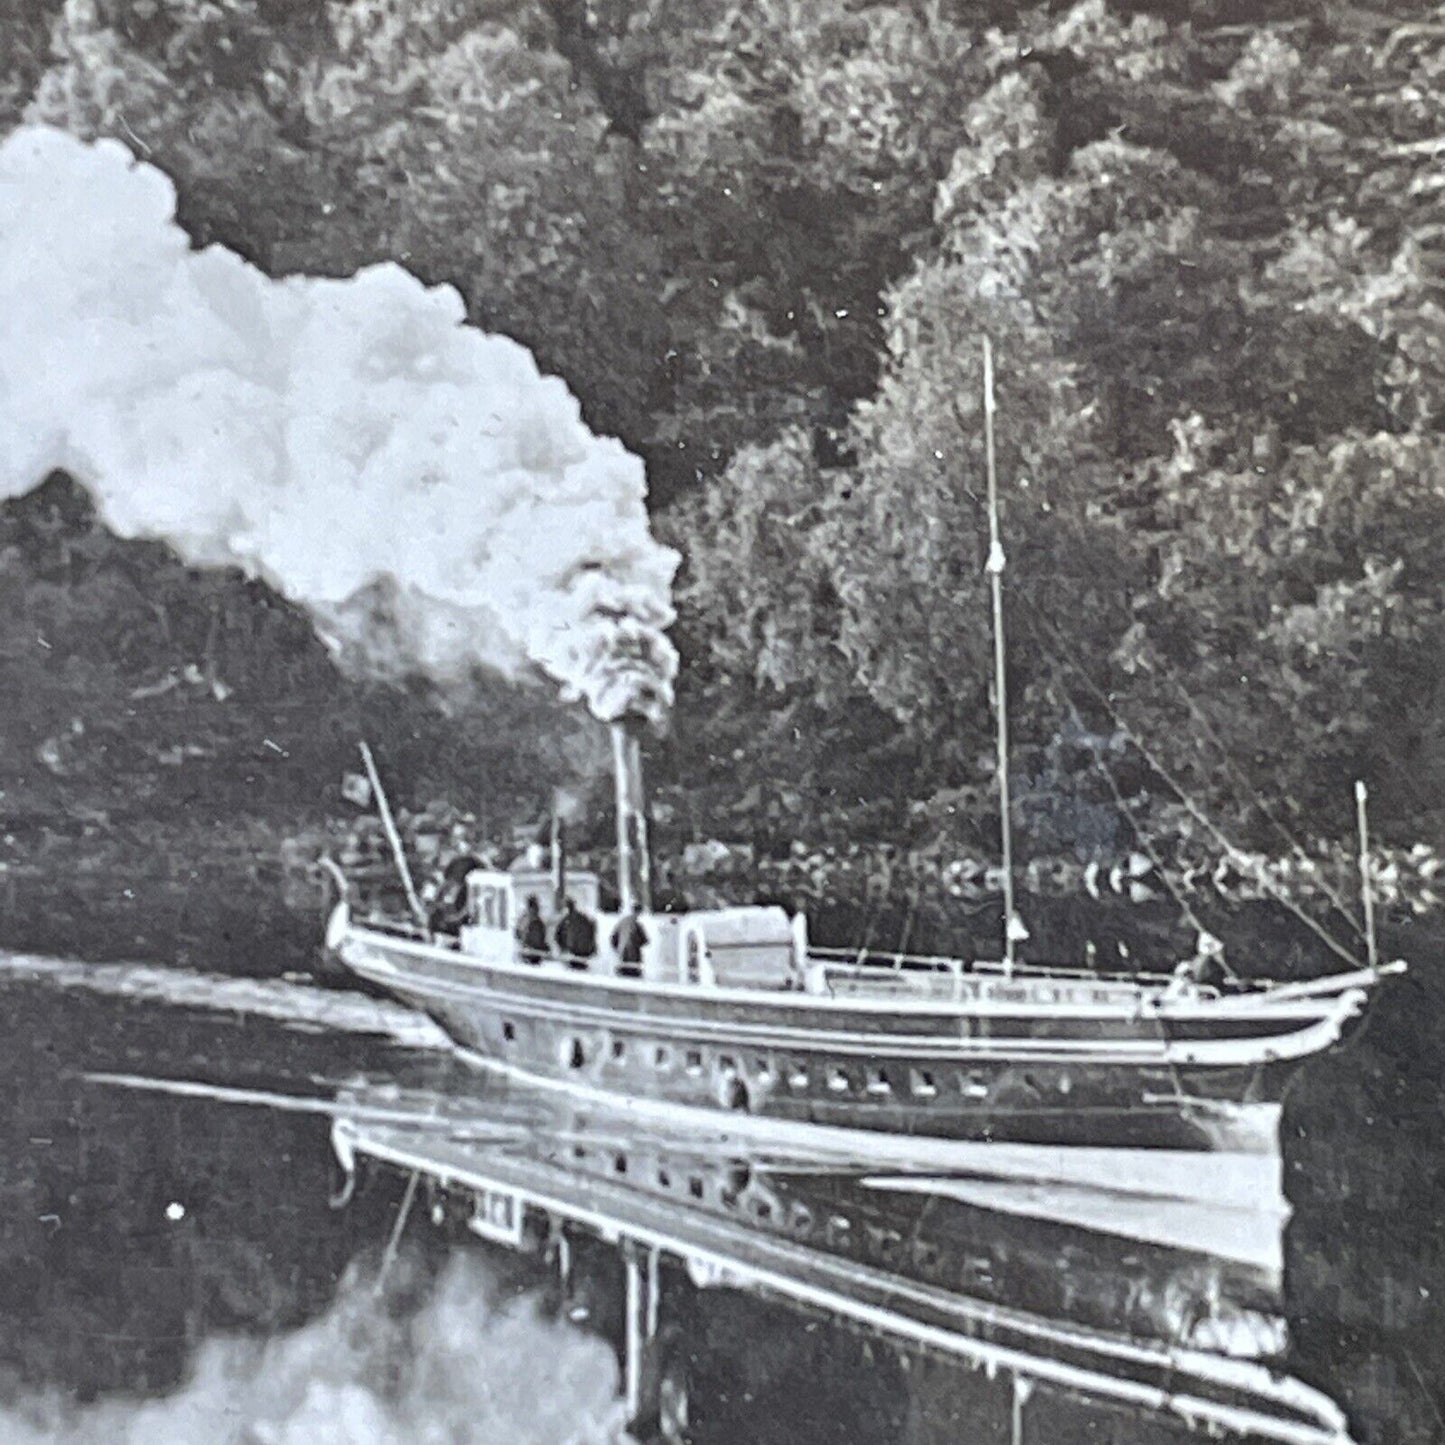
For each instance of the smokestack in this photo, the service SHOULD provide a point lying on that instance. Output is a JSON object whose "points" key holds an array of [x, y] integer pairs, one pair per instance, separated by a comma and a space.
{"points": [[634, 865], [559, 857]]}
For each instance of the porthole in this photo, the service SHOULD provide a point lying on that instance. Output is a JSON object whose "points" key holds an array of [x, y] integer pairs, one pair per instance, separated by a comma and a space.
{"points": [[735, 1184], [619, 1164], [509, 1031], [884, 1244], [927, 1258]]}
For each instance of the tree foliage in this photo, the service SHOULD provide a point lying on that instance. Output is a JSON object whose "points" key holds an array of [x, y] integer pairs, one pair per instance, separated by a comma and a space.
{"points": [[764, 243]]}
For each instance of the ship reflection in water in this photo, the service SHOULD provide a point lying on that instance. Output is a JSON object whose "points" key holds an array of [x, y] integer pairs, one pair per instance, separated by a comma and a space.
{"points": [[1029, 1309]]}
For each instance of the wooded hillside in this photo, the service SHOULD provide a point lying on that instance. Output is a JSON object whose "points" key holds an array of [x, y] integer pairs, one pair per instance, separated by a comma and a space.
{"points": [[762, 242]]}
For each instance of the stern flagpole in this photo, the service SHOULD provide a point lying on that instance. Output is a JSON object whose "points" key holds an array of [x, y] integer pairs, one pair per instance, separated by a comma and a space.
{"points": [[1367, 892]]}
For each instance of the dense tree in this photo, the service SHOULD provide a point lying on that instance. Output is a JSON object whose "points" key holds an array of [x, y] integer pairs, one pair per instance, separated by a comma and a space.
{"points": [[764, 243]]}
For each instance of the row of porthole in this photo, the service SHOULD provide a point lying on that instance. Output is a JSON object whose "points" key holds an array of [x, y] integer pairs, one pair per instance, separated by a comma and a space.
{"points": [[838, 1232], [922, 1083]]}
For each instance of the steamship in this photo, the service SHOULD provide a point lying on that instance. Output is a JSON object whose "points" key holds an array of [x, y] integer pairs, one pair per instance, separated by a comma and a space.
{"points": [[734, 1010]]}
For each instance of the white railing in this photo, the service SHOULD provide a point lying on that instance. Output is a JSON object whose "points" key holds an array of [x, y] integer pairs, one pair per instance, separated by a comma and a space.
{"points": [[880, 961]]}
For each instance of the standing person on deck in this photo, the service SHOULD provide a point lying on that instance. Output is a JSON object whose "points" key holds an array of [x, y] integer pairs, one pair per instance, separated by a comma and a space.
{"points": [[576, 935], [532, 931], [629, 938]]}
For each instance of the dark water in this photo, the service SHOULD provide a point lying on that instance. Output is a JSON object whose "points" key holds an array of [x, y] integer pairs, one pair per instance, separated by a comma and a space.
{"points": [[172, 1270]]}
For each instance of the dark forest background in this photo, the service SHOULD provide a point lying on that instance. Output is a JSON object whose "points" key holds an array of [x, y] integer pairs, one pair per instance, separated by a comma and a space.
{"points": [[762, 242]]}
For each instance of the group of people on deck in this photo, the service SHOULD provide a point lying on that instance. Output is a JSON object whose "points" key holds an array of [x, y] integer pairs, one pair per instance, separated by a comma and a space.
{"points": [[575, 938]]}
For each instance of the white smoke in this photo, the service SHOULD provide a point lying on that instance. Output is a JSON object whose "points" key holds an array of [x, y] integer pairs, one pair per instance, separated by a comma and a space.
{"points": [[417, 485], [462, 1370]]}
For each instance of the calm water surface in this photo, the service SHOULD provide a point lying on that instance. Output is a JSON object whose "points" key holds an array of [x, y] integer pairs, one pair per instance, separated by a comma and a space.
{"points": [[172, 1269]]}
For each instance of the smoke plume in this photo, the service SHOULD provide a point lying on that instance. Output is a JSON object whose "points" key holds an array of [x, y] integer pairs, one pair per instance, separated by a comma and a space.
{"points": [[418, 486], [463, 1369]]}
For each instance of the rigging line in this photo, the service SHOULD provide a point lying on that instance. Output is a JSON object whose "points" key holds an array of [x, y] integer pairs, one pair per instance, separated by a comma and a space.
{"points": [[1126, 808], [1209, 731], [1235, 853]]}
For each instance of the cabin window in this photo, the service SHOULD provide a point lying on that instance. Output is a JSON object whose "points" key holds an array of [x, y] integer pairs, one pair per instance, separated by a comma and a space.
{"points": [[662, 1057], [573, 1054], [762, 1210], [839, 1231], [922, 1083], [664, 1179], [838, 1080], [509, 1031], [619, 1049], [694, 1186], [878, 1082], [802, 1219], [727, 1064], [694, 1061], [762, 1068], [798, 1077], [619, 1164], [975, 1086], [579, 1151], [491, 907]]}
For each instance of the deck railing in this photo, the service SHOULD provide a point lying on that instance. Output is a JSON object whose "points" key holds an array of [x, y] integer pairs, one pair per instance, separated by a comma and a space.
{"points": [[877, 961]]}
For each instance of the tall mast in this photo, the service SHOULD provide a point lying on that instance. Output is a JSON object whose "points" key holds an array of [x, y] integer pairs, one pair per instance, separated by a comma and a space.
{"points": [[994, 568]]}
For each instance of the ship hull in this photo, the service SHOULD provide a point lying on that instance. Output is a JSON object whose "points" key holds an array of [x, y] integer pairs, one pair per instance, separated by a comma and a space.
{"points": [[1110, 1079]]}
